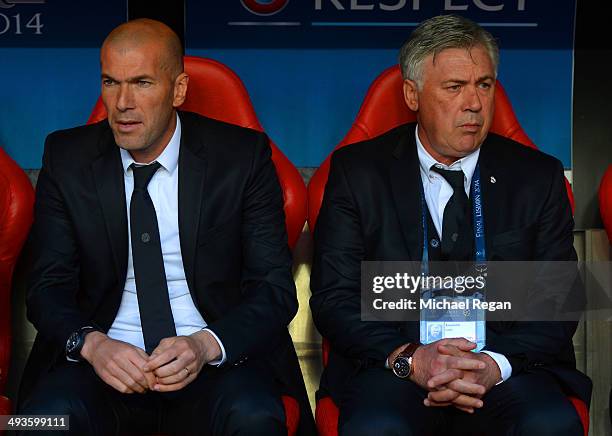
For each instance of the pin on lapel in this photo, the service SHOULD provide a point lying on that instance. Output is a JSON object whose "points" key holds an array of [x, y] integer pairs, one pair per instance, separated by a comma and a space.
{"points": [[493, 179]]}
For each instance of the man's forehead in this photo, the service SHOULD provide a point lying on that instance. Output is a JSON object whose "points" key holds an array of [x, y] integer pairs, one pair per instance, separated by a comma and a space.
{"points": [[131, 47], [459, 61], [141, 56], [474, 55]]}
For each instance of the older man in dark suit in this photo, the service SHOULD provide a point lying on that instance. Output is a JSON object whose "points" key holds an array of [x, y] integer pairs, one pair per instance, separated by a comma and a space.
{"points": [[161, 286], [382, 195]]}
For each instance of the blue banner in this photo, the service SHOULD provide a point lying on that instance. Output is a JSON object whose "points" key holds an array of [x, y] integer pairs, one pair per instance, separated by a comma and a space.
{"points": [[544, 24], [306, 95]]}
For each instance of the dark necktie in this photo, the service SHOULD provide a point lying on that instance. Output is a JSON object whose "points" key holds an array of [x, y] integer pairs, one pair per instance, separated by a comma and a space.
{"points": [[455, 210], [151, 286]]}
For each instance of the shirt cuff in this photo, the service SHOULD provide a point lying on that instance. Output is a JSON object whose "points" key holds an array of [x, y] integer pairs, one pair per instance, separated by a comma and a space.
{"points": [[221, 361], [502, 362]]}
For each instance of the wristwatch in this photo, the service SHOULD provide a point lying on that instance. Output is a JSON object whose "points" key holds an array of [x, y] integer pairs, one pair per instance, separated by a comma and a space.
{"points": [[75, 342], [402, 365]]}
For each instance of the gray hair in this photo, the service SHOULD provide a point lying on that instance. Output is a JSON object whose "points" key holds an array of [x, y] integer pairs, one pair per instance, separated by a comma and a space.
{"points": [[437, 34]]}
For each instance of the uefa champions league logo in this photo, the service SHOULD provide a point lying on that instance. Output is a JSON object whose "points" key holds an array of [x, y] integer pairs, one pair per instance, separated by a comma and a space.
{"points": [[263, 7], [6, 4]]}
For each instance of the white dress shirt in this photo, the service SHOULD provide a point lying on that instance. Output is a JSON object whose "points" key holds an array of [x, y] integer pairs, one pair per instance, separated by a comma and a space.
{"points": [[163, 190], [437, 193]]}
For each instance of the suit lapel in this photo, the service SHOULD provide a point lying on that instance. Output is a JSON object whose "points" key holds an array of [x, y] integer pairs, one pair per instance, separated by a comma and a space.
{"points": [[494, 180], [192, 175], [108, 177], [405, 183]]}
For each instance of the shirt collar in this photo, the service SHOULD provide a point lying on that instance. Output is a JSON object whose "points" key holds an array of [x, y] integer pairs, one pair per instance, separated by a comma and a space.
{"points": [[426, 161], [168, 159]]}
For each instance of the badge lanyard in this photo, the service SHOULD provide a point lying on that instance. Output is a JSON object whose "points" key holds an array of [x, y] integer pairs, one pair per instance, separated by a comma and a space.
{"points": [[477, 219]]}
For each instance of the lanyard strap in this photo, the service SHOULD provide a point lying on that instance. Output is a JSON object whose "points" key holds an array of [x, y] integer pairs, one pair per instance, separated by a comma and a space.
{"points": [[478, 218], [480, 255]]}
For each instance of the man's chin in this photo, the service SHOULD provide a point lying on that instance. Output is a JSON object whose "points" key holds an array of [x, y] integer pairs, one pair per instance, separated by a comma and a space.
{"points": [[470, 144], [131, 147], [128, 144]]}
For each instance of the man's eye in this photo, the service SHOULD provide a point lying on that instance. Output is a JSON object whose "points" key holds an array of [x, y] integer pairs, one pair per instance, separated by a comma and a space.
{"points": [[144, 83], [454, 87], [485, 85], [108, 82]]}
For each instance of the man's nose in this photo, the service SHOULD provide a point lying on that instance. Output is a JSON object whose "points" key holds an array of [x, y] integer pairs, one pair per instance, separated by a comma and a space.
{"points": [[125, 99], [472, 99]]}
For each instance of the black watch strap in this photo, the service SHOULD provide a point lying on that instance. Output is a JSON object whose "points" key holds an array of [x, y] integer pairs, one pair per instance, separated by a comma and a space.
{"points": [[75, 342]]}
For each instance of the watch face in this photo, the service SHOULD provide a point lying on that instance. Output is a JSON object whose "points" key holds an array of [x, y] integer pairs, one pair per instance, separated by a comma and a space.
{"points": [[401, 367], [73, 342]]}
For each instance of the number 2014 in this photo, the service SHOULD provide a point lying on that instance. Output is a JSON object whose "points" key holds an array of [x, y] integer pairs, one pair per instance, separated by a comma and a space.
{"points": [[33, 24]]}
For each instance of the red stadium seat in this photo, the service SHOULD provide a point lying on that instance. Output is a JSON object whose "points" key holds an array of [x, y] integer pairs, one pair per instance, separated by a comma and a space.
{"points": [[217, 92], [605, 201], [372, 120], [16, 214]]}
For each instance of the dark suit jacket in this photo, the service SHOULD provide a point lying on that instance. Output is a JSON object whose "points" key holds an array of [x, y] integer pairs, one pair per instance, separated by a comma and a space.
{"points": [[232, 233], [372, 211]]}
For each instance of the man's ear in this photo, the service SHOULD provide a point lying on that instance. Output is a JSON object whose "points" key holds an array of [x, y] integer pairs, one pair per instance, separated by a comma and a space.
{"points": [[411, 95], [180, 89]]}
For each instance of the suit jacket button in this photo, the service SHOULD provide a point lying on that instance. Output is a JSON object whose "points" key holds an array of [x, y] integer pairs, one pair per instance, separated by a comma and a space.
{"points": [[145, 237]]}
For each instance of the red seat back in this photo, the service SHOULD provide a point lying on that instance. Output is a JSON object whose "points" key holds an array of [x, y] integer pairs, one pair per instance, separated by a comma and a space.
{"points": [[217, 92], [384, 108], [16, 211], [605, 201]]}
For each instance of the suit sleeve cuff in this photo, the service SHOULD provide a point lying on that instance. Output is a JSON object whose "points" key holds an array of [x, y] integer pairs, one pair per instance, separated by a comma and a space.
{"points": [[502, 362], [223, 359]]}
